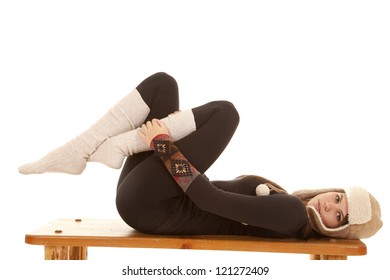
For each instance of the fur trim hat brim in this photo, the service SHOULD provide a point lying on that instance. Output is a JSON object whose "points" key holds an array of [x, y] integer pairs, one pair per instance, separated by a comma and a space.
{"points": [[364, 214]]}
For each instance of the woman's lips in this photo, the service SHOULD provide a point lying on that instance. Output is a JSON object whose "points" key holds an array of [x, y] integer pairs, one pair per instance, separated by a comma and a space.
{"points": [[318, 207]]}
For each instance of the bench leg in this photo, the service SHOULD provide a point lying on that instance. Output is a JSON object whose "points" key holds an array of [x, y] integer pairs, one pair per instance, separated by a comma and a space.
{"points": [[327, 257], [65, 253]]}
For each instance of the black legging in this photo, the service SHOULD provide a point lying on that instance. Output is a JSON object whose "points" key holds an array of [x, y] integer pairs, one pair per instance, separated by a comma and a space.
{"points": [[149, 199], [147, 195]]}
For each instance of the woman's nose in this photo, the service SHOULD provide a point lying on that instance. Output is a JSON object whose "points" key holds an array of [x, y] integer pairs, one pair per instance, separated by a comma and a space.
{"points": [[328, 206]]}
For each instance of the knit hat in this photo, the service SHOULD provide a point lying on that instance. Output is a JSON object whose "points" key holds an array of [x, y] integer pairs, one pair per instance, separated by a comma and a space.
{"points": [[364, 213]]}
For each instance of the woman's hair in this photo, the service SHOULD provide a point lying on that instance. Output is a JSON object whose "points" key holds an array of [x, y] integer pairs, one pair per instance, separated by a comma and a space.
{"points": [[308, 232]]}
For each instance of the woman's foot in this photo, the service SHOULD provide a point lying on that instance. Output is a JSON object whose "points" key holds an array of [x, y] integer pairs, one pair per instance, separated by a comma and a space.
{"points": [[65, 159]]}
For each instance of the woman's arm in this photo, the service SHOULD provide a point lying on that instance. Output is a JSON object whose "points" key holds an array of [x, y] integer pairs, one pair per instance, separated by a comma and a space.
{"points": [[245, 184], [279, 212], [156, 135]]}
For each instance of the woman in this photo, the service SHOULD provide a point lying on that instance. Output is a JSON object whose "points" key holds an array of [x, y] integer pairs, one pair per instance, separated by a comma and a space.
{"points": [[163, 190]]}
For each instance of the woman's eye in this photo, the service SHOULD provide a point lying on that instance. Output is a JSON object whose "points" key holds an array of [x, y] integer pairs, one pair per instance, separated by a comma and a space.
{"points": [[338, 216], [337, 198]]}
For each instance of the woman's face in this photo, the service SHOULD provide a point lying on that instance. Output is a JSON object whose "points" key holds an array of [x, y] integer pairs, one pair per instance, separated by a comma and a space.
{"points": [[333, 208]]}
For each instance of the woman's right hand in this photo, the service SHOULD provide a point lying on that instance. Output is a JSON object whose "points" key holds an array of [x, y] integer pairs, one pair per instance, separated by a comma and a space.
{"points": [[151, 129]]}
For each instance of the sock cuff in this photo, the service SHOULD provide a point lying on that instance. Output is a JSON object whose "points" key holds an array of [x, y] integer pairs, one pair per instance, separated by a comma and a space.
{"points": [[180, 124], [137, 110]]}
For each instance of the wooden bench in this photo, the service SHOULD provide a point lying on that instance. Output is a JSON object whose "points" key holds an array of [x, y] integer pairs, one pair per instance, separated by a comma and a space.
{"points": [[68, 239]]}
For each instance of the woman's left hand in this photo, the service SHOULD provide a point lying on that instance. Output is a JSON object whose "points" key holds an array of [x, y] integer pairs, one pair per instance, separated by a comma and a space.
{"points": [[151, 129]]}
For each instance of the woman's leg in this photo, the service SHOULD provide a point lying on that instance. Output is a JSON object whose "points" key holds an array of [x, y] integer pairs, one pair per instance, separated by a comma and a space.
{"points": [[216, 123], [127, 114], [160, 91], [147, 195], [160, 99]]}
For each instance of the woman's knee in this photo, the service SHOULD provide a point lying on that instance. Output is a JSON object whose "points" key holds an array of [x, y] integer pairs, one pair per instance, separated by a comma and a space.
{"points": [[159, 80], [165, 78], [160, 92], [229, 111], [223, 110]]}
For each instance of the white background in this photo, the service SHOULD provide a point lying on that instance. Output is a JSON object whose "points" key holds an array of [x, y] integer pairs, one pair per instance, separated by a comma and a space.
{"points": [[309, 78]]}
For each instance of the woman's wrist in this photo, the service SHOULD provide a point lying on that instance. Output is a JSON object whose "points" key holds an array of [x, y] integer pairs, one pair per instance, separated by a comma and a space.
{"points": [[177, 165], [158, 139]]}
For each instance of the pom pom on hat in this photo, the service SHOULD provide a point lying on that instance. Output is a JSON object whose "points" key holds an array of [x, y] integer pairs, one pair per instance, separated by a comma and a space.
{"points": [[262, 190], [266, 188]]}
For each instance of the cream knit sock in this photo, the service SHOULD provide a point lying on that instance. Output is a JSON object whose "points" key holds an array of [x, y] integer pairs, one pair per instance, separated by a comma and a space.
{"points": [[127, 114], [114, 150]]}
